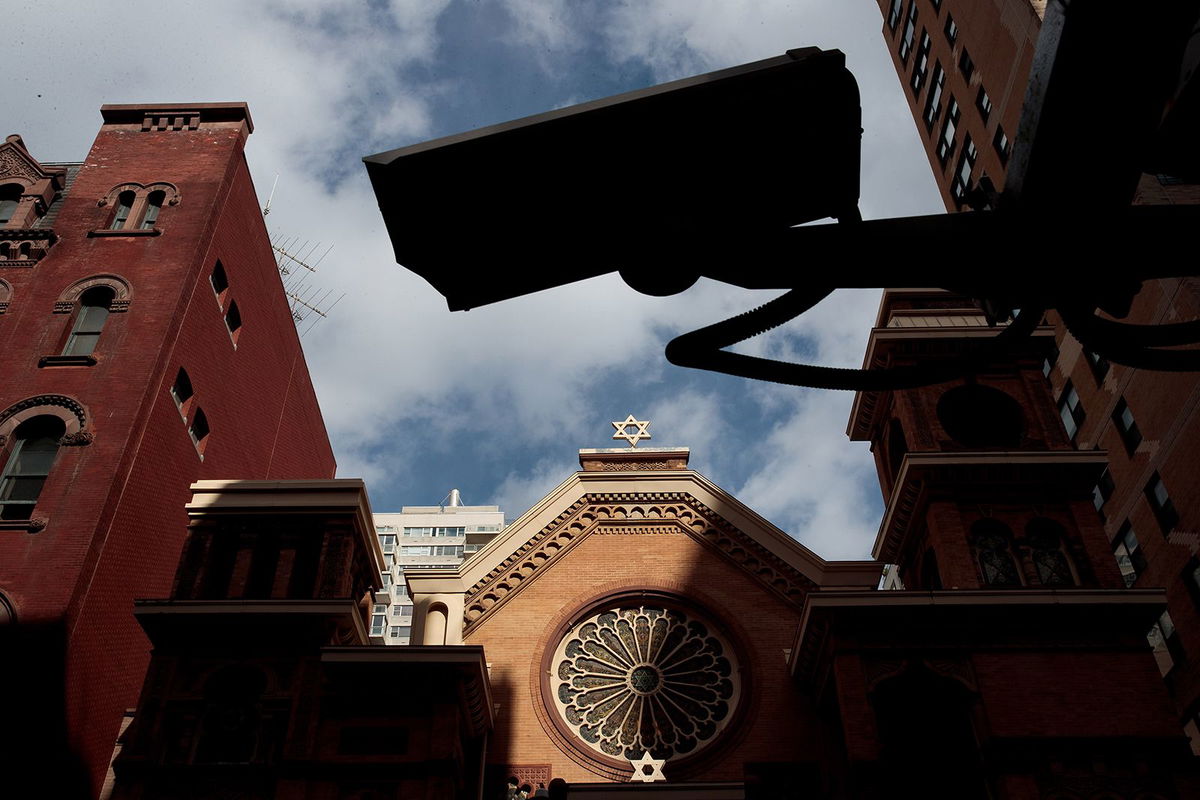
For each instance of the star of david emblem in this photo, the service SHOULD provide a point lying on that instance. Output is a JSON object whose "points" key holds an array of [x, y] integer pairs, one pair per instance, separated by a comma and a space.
{"points": [[637, 435], [647, 769]]}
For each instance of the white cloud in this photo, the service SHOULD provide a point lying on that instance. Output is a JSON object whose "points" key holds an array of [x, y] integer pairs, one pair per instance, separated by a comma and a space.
{"points": [[329, 82]]}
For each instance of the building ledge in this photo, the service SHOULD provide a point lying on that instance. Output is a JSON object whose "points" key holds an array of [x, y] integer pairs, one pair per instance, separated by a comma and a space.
{"points": [[106, 233]]}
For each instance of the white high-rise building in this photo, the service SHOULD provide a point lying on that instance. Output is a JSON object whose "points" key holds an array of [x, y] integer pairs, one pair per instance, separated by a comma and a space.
{"points": [[424, 537]]}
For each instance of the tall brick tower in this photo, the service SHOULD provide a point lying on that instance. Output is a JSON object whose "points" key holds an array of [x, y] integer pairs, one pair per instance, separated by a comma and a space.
{"points": [[145, 343], [1009, 584]]}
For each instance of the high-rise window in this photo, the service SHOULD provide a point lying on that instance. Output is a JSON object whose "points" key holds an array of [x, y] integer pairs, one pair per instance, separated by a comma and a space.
{"points": [[1161, 505], [962, 175], [965, 65], [951, 29], [945, 145], [933, 106], [1130, 558], [220, 283], [893, 18], [983, 103], [910, 31], [1070, 410], [89, 321], [1098, 363], [388, 542], [921, 64], [1001, 143], [33, 452], [1123, 420]]}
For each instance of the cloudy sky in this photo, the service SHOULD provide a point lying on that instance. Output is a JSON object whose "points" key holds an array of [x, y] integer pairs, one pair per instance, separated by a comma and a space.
{"points": [[495, 401]]}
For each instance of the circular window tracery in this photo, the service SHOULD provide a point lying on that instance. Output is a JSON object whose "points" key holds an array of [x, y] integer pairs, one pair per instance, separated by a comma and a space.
{"points": [[627, 680]]}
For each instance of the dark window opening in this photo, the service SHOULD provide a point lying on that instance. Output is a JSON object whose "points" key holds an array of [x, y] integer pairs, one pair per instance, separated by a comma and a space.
{"points": [[945, 145], [93, 311], [965, 65], [897, 448], [181, 391], [1131, 561], [1070, 410], [910, 31], [978, 416], [1099, 365], [921, 64], [1049, 362], [984, 104], [962, 175], [199, 431], [1123, 419], [153, 205], [933, 108], [992, 541], [233, 320], [124, 206], [1001, 144], [220, 283], [1102, 491], [1161, 505], [10, 200], [951, 29], [1045, 540], [29, 462]]}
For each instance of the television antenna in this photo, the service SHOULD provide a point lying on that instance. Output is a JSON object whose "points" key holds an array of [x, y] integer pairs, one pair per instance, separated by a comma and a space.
{"points": [[294, 259]]}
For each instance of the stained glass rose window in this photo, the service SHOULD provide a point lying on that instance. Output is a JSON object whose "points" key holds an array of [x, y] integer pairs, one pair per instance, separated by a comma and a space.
{"points": [[629, 680]]}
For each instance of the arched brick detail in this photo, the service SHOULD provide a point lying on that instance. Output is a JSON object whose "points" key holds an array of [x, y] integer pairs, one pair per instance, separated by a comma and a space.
{"points": [[69, 410], [122, 293], [8, 615], [5, 295], [141, 190]]}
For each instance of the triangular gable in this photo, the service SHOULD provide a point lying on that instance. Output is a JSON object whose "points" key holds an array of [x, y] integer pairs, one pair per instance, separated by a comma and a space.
{"points": [[639, 502], [16, 163]]}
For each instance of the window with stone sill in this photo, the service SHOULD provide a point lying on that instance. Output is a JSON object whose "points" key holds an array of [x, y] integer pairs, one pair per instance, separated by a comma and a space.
{"points": [[233, 322], [220, 284], [136, 208], [181, 392], [1131, 561], [199, 431]]}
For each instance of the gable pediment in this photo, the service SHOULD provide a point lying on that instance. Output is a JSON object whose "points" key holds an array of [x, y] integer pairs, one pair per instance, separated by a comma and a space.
{"points": [[17, 163]]}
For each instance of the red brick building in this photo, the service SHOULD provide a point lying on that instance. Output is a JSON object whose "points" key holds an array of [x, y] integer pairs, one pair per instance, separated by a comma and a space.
{"points": [[964, 67], [638, 608], [145, 343]]}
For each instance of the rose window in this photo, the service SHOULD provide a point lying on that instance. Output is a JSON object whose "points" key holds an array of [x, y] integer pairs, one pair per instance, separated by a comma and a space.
{"points": [[635, 679]]}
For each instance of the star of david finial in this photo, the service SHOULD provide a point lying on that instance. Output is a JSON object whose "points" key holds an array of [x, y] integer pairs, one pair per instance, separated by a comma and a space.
{"points": [[647, 769], [637, 435]]}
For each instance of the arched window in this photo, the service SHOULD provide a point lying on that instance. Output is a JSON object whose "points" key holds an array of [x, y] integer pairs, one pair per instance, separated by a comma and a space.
{"points": [[93, 311], [10, 198], [231, 728], [153, 205], [992, 541], [34, 449], [1045, 539], [124, 205]]}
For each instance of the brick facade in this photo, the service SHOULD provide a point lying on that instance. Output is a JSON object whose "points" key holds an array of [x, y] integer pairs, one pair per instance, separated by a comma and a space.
{"points": [[111, 514]]}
